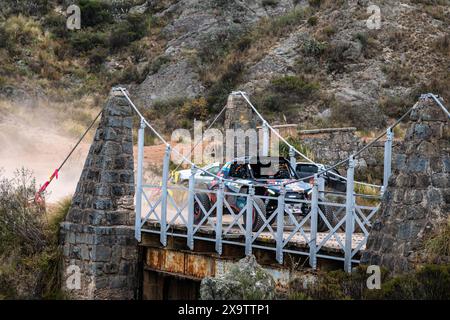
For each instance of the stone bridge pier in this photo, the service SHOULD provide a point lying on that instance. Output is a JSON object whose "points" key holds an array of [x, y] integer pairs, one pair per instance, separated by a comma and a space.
{"points": [[416, 203], [99, 249]]}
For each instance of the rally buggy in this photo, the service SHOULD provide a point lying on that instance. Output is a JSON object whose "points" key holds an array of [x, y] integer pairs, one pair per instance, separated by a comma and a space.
{"points": [[267, 174]]}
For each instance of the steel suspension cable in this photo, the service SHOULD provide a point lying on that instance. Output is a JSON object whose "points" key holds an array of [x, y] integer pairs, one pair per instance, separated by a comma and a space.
{"points": [[176, 151]]}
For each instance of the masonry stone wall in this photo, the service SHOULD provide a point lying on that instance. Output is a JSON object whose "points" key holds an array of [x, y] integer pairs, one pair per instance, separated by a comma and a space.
{"points": [[98, 233], [330, 146], [417, 201]]}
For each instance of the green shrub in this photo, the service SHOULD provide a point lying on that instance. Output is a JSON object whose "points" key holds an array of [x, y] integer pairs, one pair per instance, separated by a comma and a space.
{"points": [[315, 3], [395, 106], [158, 63], [84, 41], [217, 94], [26, 7], [361, 116], [272, 102], [20, 31], [195, 109], [431, 282], [56, 24], [131, 74], [30, 258], [97, 57], [399, 75], [438, 246], [294, 85], [133, 28], [314, 48], [269, 3], [94, 12], [312, 21], [296, 143]]}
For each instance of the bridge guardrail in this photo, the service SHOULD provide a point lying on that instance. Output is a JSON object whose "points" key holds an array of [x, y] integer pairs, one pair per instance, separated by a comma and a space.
{"points": [[188, 215]]}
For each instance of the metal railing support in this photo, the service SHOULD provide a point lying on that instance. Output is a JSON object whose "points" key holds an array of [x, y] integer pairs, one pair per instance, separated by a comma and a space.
{"points": [[140, 156], [387, 157], [266, 139], [320, 186], [349, 215], [249, 221], [280, 225], [219, 213], [164, 192], [314, 217], [191, 202], [292, 158]]}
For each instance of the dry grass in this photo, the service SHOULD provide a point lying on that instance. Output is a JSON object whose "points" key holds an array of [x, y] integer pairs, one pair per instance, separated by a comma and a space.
{"points": [[256, 43], [29, 253], [438, 246]]}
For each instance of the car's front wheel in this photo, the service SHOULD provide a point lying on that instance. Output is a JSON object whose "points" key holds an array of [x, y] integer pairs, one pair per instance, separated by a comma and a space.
{"points": [[329, 215], [199, 214], [257, 220]]}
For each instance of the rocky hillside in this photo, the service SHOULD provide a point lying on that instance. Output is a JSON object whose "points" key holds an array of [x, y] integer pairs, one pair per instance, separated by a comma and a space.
{"points": [[313, 62]]}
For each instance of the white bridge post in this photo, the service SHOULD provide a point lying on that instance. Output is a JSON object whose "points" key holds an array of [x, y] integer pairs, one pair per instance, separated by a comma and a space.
{"points": [[321, 187], [164, 193], [219, 213], [314, 217], [280, 225], [191, 202], [349, 215], [266, 139], [292, 158], [387, 157], [137, 218], [249, 221]]}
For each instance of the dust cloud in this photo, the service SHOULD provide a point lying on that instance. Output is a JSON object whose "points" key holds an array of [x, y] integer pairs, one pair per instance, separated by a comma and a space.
{"points": [[32, 139]]}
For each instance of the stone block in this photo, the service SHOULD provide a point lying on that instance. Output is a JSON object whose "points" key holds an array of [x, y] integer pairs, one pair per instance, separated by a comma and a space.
{"points": [[118, 282], [113, 121], [440, 180], [417, 163], [101, 253], [85, 252], [103, 204], [102, 282], [128, 122], [434, 197], [110, 268], [116, 217]]}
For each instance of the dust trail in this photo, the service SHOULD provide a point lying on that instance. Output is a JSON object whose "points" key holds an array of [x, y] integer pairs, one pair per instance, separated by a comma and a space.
{"points": [[30, 139]]}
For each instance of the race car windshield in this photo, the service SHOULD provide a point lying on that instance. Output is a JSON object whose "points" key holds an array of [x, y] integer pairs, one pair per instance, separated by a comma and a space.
{"points": [[273, 170]]}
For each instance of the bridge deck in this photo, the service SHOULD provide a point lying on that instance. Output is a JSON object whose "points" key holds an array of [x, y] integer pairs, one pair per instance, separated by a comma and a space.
{"points": [[297, 242]]}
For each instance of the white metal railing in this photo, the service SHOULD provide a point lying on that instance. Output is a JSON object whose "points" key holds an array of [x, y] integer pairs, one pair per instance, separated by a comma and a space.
{"points": [[168, 209], [161, 210]]}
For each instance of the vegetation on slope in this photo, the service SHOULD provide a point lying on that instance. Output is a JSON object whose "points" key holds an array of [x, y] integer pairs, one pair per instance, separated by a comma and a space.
{"points": [[30, 257]]}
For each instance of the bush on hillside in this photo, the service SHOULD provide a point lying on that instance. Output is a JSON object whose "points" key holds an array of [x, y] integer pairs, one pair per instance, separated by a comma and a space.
{"points": [[294, 85], [82, 42], [94, 12], [133, 28], [431, 282], [29, 254]]}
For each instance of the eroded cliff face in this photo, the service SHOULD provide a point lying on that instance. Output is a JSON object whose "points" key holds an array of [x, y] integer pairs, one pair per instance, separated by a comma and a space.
{"points": [[417, 201], [361, 68], [194, 25]]}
